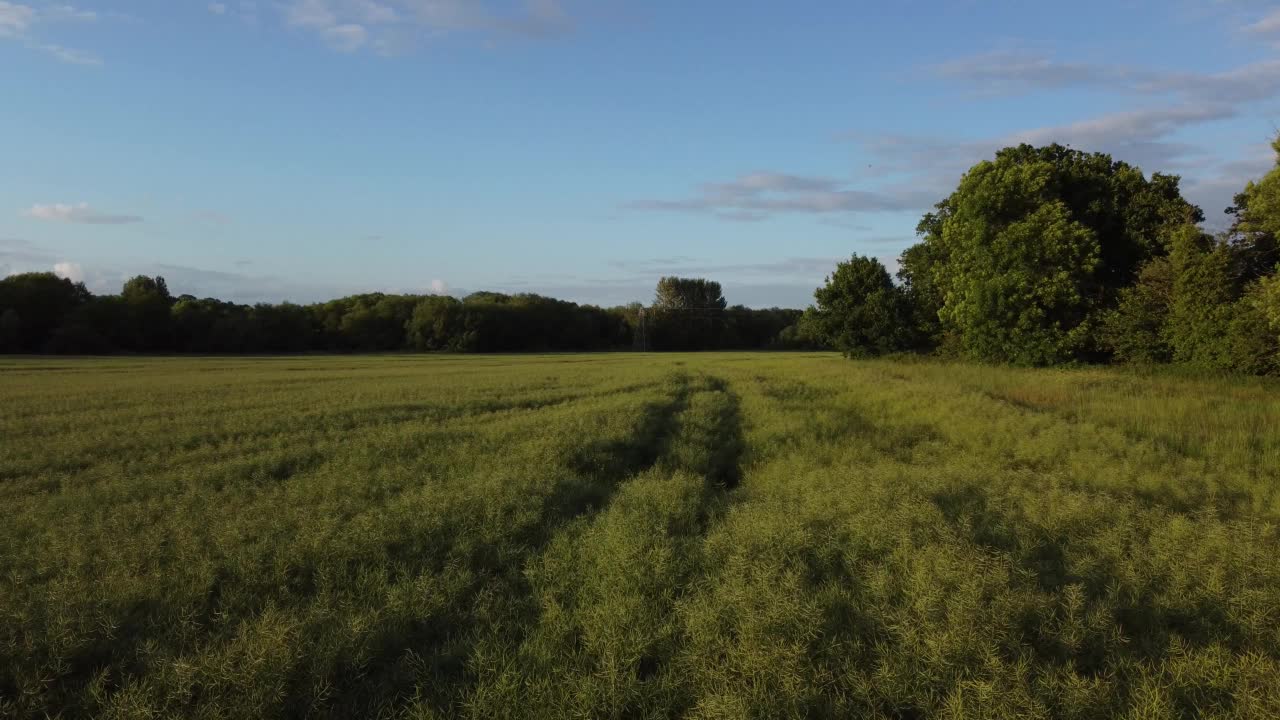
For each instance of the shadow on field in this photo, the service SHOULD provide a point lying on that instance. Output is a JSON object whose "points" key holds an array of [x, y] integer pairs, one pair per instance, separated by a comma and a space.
{"points": [[1089, 600], [708, 443], [829, 422], [602, 465], [725, 444], [432, 658]]}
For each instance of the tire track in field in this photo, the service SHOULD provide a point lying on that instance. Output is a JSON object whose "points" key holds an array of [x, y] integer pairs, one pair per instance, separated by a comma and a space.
{"points": [[267, 440], [831, 420], [450, 647], [608, 584], [494, 565]]}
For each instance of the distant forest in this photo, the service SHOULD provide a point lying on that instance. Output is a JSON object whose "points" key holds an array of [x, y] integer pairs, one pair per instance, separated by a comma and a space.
{"points": [[43, 313], [1041, 256]]}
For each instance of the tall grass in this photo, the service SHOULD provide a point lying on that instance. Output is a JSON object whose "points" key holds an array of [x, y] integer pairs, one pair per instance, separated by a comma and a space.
{"points": [[721, 535]]}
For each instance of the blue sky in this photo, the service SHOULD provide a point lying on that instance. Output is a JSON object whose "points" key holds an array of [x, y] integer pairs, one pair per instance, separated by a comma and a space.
{"points": [[305, 149]]}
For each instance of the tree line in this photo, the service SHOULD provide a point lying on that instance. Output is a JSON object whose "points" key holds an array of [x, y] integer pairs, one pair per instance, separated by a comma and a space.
{"points": [[44, 313], [1041, 256]]}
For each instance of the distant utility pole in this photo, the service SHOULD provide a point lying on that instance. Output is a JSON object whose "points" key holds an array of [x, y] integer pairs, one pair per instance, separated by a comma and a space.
{"points": [[643, 336]]}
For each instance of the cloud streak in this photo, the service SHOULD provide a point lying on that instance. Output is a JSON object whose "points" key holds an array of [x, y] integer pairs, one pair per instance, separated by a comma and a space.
{"points": [[18, 22], [1019, 71], [1146, 137], [1268, 27], [81, 214], [761, 195], [1022, 72], [388, 25], [786, 268]]}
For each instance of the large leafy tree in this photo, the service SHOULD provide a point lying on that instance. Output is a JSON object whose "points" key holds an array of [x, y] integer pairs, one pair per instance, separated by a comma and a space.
{"points": [[860, 311], [1022, 259], [1255, 234], [148, 302], [687, 314], [676, 293], [33, 306]]}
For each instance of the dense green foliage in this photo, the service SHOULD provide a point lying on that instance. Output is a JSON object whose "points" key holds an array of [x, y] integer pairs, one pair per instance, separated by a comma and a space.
{"points": [[861, 312], [676, 293], [42, 313], [714, 535], [1050, 255], [1021, 260]]}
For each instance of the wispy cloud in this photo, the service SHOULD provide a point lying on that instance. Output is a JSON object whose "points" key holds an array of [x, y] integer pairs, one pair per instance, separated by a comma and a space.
{"points": [[19, 22], [68, 55], [388, 25], [1141, 137], [783, 269], [81, 213], [1021, 71], [16, 252], [1138, 136], [760, 195], [15, 20], [246, 11], [1146, 137], [1018, 71], [1267, 27]]}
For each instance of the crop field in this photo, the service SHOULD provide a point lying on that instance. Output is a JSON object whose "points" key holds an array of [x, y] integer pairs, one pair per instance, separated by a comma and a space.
{"points": [[596, 536]]}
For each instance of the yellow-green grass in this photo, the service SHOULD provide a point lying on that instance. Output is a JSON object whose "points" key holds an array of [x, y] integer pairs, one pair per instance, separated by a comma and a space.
{"points": [[712, 535]]}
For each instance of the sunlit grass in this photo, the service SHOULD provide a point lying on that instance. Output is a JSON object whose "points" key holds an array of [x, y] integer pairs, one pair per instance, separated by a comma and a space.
{"points": [[718, 535]]}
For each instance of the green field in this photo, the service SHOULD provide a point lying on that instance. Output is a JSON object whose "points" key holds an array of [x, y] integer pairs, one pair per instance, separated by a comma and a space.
{"points": [[714, 535]]}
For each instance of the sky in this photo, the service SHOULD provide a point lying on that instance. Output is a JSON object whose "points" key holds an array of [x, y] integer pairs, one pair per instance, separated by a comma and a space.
{"points": [[268, 150]]}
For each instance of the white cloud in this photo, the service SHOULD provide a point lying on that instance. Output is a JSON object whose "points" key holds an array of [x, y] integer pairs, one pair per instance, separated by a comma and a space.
{"points": [[346, 38], [313, 14], [793, 268], [1245, 84], [349, 25], [18, 22], [15, 19], [67, 13], [1016, 72], [759, 195], [1013, 71], [439, 287], [1268, 26], [246, 11], [20, 253], [70, 271], [81, 213], [68, 55], [1137, 126], [1147, 137]]}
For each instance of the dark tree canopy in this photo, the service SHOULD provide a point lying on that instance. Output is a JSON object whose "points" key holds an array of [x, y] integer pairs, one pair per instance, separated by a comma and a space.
{"points": [[860, 311], [41, 312], [33, 306]]}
